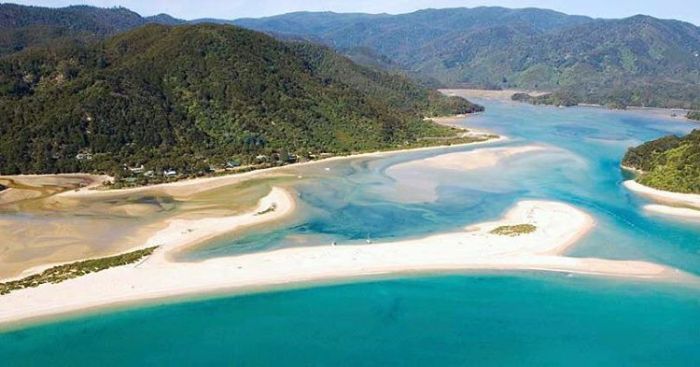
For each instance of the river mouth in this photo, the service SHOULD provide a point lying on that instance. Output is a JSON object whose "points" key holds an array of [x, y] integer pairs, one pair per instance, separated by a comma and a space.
{"points": [[467, 316]]}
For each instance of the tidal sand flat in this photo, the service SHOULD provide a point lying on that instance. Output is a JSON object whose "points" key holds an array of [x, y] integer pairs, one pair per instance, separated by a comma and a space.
{"points": [[670, 203], [47, 220]]}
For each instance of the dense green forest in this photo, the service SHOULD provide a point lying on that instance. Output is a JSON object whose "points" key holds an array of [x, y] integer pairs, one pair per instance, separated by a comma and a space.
{"points": [[669, 163], [196, 97], [640, 61]]}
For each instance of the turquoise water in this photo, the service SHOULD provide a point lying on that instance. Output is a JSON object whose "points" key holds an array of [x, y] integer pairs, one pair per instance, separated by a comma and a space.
{"points": [[521, 320], [497, 319]]}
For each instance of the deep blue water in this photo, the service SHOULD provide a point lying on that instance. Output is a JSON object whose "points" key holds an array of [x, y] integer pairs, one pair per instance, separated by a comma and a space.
{"points": [[508, 319]]}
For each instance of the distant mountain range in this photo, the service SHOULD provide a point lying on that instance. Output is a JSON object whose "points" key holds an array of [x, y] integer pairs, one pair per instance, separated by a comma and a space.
{"points": [[639, 60], [32, 26], [634, 61]]}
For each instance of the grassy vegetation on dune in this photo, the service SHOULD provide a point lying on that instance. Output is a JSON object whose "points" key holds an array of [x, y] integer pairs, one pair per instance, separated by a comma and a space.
{"points": [[694, 115], [515, 230], [61, 273]]}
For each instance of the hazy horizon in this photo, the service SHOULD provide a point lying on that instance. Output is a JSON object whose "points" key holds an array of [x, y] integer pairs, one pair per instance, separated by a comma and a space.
{"points": [[671, 9]]}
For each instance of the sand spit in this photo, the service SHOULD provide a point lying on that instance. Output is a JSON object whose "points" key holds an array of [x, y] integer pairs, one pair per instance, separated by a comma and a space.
{"points": [[559, 226], [670, 203]]}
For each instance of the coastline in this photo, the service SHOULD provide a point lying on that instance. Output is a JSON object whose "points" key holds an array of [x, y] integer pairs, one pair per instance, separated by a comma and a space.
{"points": [[668, 203], [188, 187], [559, 227], [677, 114], [100, 223]]}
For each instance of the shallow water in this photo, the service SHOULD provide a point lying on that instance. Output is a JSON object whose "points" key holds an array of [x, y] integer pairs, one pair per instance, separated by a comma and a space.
{"points": [[511, 319]]}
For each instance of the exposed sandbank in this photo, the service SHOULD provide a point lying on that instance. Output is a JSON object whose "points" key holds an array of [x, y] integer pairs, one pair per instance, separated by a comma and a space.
{"points": [[670, 203], [470, 160], [559, 226]]}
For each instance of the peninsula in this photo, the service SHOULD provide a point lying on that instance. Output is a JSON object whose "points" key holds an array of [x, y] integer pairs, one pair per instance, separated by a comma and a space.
{"points": [[668, 172]]}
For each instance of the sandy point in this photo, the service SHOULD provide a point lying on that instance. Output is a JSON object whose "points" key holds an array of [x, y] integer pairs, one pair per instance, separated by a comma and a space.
{"points": [[667, 203]]}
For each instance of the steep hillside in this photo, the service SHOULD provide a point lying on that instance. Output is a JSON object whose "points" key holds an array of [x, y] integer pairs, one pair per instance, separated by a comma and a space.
{"points": [[27, 26], [189, 98], [635, 61], [669, 163]]}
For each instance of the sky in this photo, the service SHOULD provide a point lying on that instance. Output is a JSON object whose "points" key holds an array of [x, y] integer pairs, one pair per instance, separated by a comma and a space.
{"points": [[687, 10]]}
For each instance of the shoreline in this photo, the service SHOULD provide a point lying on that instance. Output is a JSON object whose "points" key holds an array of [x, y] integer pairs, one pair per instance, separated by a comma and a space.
{"points": [[559, 227], [63, 200], [667, 202], [212, 182], [208, 183]]}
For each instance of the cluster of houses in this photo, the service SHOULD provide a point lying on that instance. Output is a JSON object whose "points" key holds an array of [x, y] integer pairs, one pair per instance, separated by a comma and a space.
{"points": [[141, 170], [275, 158], [279, 158]]}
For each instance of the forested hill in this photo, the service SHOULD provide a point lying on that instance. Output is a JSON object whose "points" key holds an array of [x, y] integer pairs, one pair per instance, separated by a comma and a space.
{"points": [[29, 26], [634, 61], [192, 97], [669, 163]]}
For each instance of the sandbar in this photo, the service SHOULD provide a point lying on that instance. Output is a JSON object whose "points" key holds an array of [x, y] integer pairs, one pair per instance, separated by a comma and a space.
{"points": [[559, 226], [669, 203]]}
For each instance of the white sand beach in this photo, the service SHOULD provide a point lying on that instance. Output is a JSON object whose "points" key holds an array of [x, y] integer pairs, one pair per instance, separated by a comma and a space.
{"points": [[668, 203], [686, 213], [558, 227]]}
